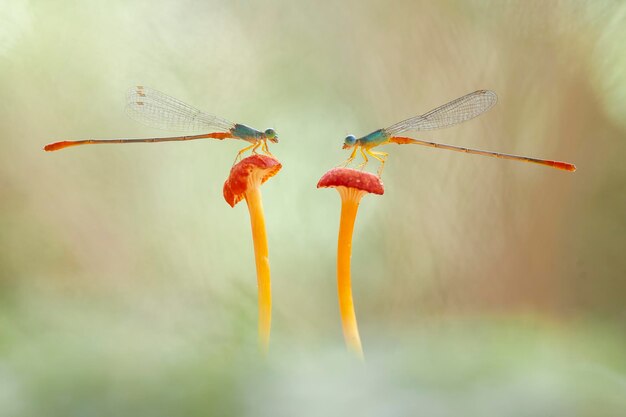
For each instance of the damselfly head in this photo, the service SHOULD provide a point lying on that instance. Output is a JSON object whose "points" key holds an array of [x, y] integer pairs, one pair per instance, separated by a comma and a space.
{"points": [[271, 135], [349, 141]]}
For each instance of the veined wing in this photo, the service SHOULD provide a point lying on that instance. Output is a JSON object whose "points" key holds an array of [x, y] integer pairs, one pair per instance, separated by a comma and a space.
{"points": [[457, 111], [156, 109]]}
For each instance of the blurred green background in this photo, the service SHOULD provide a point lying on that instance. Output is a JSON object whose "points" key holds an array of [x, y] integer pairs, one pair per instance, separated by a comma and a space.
{"points": [[482, 287]]}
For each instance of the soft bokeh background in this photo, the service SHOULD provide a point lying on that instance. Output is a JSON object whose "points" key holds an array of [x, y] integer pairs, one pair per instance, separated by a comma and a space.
{"points": [[483, 287]]}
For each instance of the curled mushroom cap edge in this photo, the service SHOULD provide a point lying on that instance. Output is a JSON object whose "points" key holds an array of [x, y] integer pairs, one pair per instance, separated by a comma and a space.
{"points": [[250, 172]]}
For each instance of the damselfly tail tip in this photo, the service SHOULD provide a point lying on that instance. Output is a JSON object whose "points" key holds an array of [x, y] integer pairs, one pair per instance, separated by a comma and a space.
{"points": [[565, 166], [56, 146]]}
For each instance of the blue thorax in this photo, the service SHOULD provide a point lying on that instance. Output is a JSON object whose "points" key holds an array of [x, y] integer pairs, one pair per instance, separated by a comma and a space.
{"points": [[375, 138], [245, 132]]}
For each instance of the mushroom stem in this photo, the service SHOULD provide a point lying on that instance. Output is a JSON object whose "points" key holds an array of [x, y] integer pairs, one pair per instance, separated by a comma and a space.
{"points": [[261, 257], [350, 199]]}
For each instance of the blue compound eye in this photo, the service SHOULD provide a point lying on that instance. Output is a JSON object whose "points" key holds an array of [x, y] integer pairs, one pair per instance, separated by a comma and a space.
{"points": [[271, 135], [350, 140]]}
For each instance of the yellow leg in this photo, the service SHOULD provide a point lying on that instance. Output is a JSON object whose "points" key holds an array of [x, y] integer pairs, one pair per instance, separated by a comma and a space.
{"points": [[381, 156], [351, 158], [254, 145], [362, 165], [265, 149]]}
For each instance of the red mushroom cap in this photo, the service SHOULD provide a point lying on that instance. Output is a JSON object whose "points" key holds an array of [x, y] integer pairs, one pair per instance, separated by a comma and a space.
{"points": [[249, 172], [352, 178]]}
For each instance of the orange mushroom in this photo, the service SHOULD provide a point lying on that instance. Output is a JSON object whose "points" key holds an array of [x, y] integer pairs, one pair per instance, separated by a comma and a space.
{"points": [[244, 182], [352, 185]]}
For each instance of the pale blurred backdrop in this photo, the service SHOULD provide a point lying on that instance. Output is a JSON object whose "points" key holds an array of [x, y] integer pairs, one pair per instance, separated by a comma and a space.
{"points": [[483, 287]]}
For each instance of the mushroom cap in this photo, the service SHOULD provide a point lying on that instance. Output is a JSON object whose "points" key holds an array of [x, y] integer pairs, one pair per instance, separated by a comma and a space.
{"points": [[249, 172], [352, 178]]}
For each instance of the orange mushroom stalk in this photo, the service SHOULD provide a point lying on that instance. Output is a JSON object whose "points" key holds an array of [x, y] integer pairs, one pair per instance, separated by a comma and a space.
{"points": [[352, 185], [244, 182]]}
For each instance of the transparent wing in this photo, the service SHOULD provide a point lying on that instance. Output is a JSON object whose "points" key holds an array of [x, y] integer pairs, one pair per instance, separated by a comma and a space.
{"points": [[454, 112], [155, 109]]}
